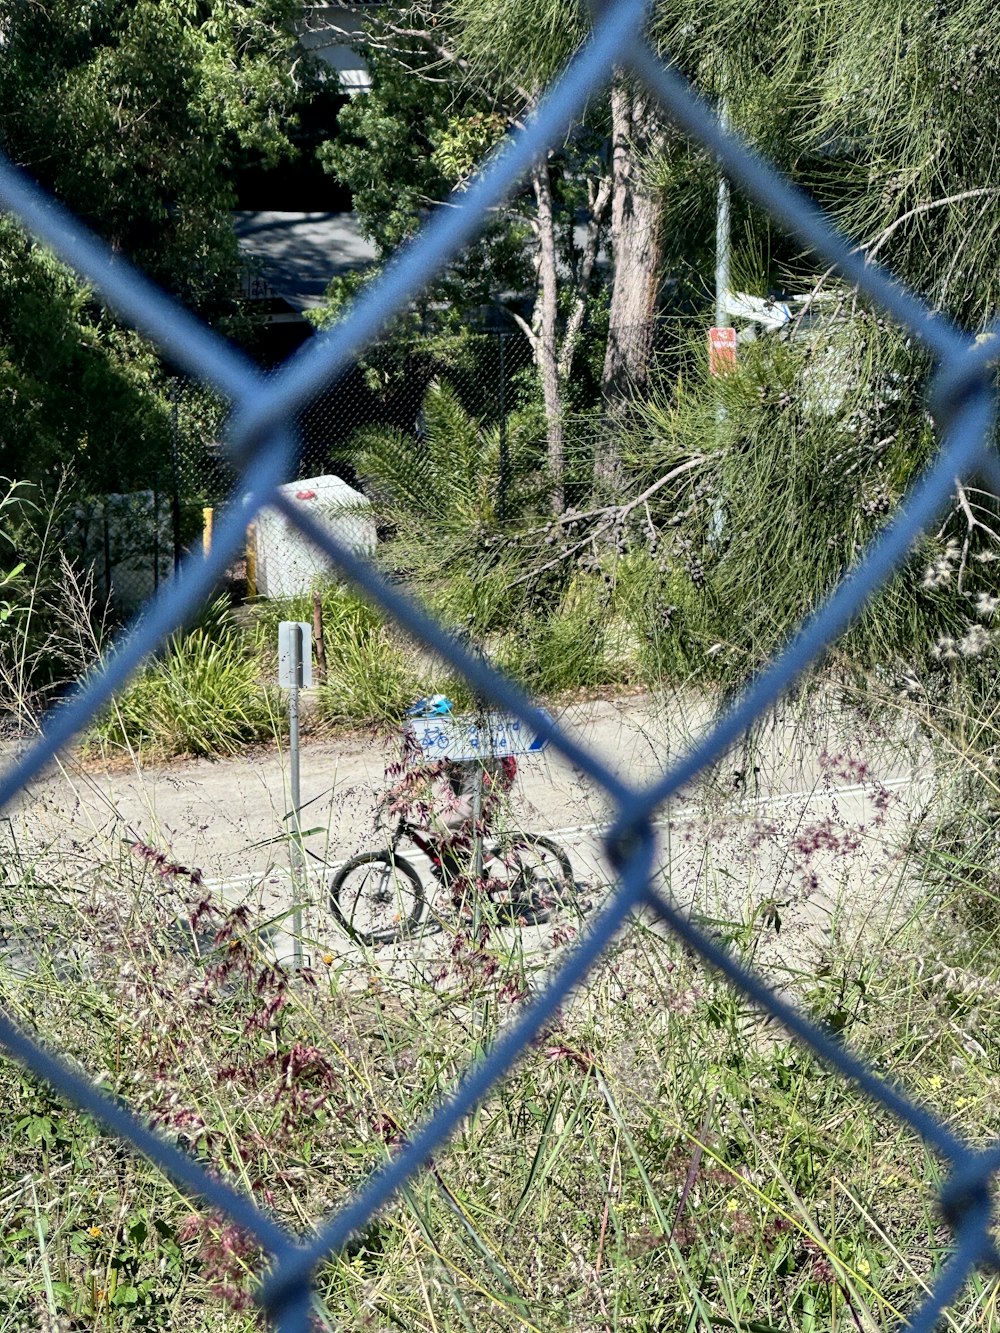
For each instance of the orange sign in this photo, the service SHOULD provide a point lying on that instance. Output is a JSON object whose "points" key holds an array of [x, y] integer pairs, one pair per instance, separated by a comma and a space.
{"points": [[721, 350]]}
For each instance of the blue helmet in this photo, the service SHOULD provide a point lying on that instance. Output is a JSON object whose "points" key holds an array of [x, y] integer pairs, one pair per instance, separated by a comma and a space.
{"points": [[435, 705]]}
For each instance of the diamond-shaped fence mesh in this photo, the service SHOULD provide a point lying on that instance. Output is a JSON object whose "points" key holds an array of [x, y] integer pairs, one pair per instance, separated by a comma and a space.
{"points": [[490, 375], [256, 455]]}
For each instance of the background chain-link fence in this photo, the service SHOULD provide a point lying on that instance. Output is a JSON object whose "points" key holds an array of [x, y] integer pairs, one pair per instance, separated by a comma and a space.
{"points": [[492, 376], [261, 447]]}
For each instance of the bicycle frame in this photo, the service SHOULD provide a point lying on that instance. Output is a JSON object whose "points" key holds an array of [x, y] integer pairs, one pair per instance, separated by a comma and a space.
{"points": [[425, 841]]}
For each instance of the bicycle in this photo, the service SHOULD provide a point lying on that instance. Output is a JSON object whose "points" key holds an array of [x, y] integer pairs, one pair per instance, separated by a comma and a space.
{"points": [[379, 897]]}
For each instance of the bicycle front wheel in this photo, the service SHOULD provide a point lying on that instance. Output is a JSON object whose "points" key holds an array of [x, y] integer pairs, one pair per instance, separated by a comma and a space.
{"points": [[377, 897], [529, 876]]}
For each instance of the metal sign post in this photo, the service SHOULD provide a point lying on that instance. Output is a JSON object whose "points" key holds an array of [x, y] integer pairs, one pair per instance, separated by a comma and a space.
{"points": [[477, 833], [295, 673]]}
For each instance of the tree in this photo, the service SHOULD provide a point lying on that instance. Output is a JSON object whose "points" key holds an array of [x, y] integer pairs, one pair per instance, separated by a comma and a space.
{"points": [[400, 149], [79, 394], [400, 162], [130, 115], [905, 101], [637, 136]]}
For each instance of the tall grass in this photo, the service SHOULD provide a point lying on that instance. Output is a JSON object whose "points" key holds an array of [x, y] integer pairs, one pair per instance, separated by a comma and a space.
{"points": [[661, 1158], [204, 696], [372, 674]]}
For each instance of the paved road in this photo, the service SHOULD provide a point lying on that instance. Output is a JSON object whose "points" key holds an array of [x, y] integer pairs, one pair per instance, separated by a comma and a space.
{"points": [[300, 252], [791, 820]]}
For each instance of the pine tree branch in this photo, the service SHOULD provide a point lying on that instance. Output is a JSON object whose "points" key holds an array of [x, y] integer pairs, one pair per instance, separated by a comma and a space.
{"points": [[613, 516], [871, 248]]}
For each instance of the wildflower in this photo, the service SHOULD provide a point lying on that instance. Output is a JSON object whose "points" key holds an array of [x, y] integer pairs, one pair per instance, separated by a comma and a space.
{"points": [[974, 642], [910, 685], [935, 1081], [95, 1232], [938, 572], [732, 1206], [985, 604], [328, 958], [863, 1266]]}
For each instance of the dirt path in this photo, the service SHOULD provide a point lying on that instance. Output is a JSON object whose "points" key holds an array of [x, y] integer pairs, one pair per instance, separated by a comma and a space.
{"points": [[804, 819]]}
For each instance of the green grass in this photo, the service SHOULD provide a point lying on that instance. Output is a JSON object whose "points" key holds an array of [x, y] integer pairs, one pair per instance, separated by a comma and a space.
{"points": [[371, 672]]}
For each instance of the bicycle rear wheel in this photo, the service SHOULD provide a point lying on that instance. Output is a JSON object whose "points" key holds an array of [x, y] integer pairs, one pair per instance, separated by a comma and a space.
{"points": [[377, 898], [528, 877]]}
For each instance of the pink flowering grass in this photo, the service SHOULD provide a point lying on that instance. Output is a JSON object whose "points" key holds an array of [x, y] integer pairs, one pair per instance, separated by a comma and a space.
{"points": [[661, 1155]]}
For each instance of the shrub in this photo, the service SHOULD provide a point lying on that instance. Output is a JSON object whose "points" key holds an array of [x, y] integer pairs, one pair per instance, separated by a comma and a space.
{"points": [[205, 697], [786, 468], [576, 644]]}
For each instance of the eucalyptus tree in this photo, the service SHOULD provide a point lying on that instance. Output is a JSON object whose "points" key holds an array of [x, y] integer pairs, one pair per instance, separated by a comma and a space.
{"points": [[877, 108], [606, 172], [440, 102]]}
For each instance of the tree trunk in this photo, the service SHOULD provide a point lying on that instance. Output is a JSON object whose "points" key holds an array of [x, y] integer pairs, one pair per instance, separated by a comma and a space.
{"points": [[636, 243], [598, 195], [546, 345]]}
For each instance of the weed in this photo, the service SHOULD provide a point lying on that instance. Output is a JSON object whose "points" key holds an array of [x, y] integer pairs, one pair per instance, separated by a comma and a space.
{"points": [[660, 1157]]}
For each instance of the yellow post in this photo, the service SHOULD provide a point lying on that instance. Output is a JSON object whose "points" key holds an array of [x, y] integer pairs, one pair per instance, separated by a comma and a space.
{"points": [[207, 514], [252, 562]]}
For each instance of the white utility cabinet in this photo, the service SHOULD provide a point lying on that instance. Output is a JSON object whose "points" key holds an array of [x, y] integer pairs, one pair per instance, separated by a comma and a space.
{"points": [[287, 563]]}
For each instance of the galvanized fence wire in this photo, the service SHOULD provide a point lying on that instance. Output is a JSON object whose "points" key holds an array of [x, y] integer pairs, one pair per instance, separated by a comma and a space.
{"points": [[962, 399]]}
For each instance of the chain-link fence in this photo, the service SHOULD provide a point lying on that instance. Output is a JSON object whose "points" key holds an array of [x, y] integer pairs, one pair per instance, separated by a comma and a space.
{"points": [[260, 444], [129, 540]]}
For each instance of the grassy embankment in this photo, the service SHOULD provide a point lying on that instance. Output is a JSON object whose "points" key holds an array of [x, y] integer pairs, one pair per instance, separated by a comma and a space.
{"points": [[661, 1158]]}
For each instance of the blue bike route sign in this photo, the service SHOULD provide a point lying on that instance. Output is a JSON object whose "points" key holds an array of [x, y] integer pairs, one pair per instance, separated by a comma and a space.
{"points": [[481, 736]]}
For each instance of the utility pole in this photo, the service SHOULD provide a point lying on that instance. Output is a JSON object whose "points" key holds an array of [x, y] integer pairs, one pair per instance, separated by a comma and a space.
{"points": [[723, 238]]}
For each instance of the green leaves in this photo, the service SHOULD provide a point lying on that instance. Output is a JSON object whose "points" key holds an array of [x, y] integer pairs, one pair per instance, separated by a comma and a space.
{"points": [[449, 477], [204, 697], [131, 114], [76, 394], [12, 506], [465, 142], [518, 43]]}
